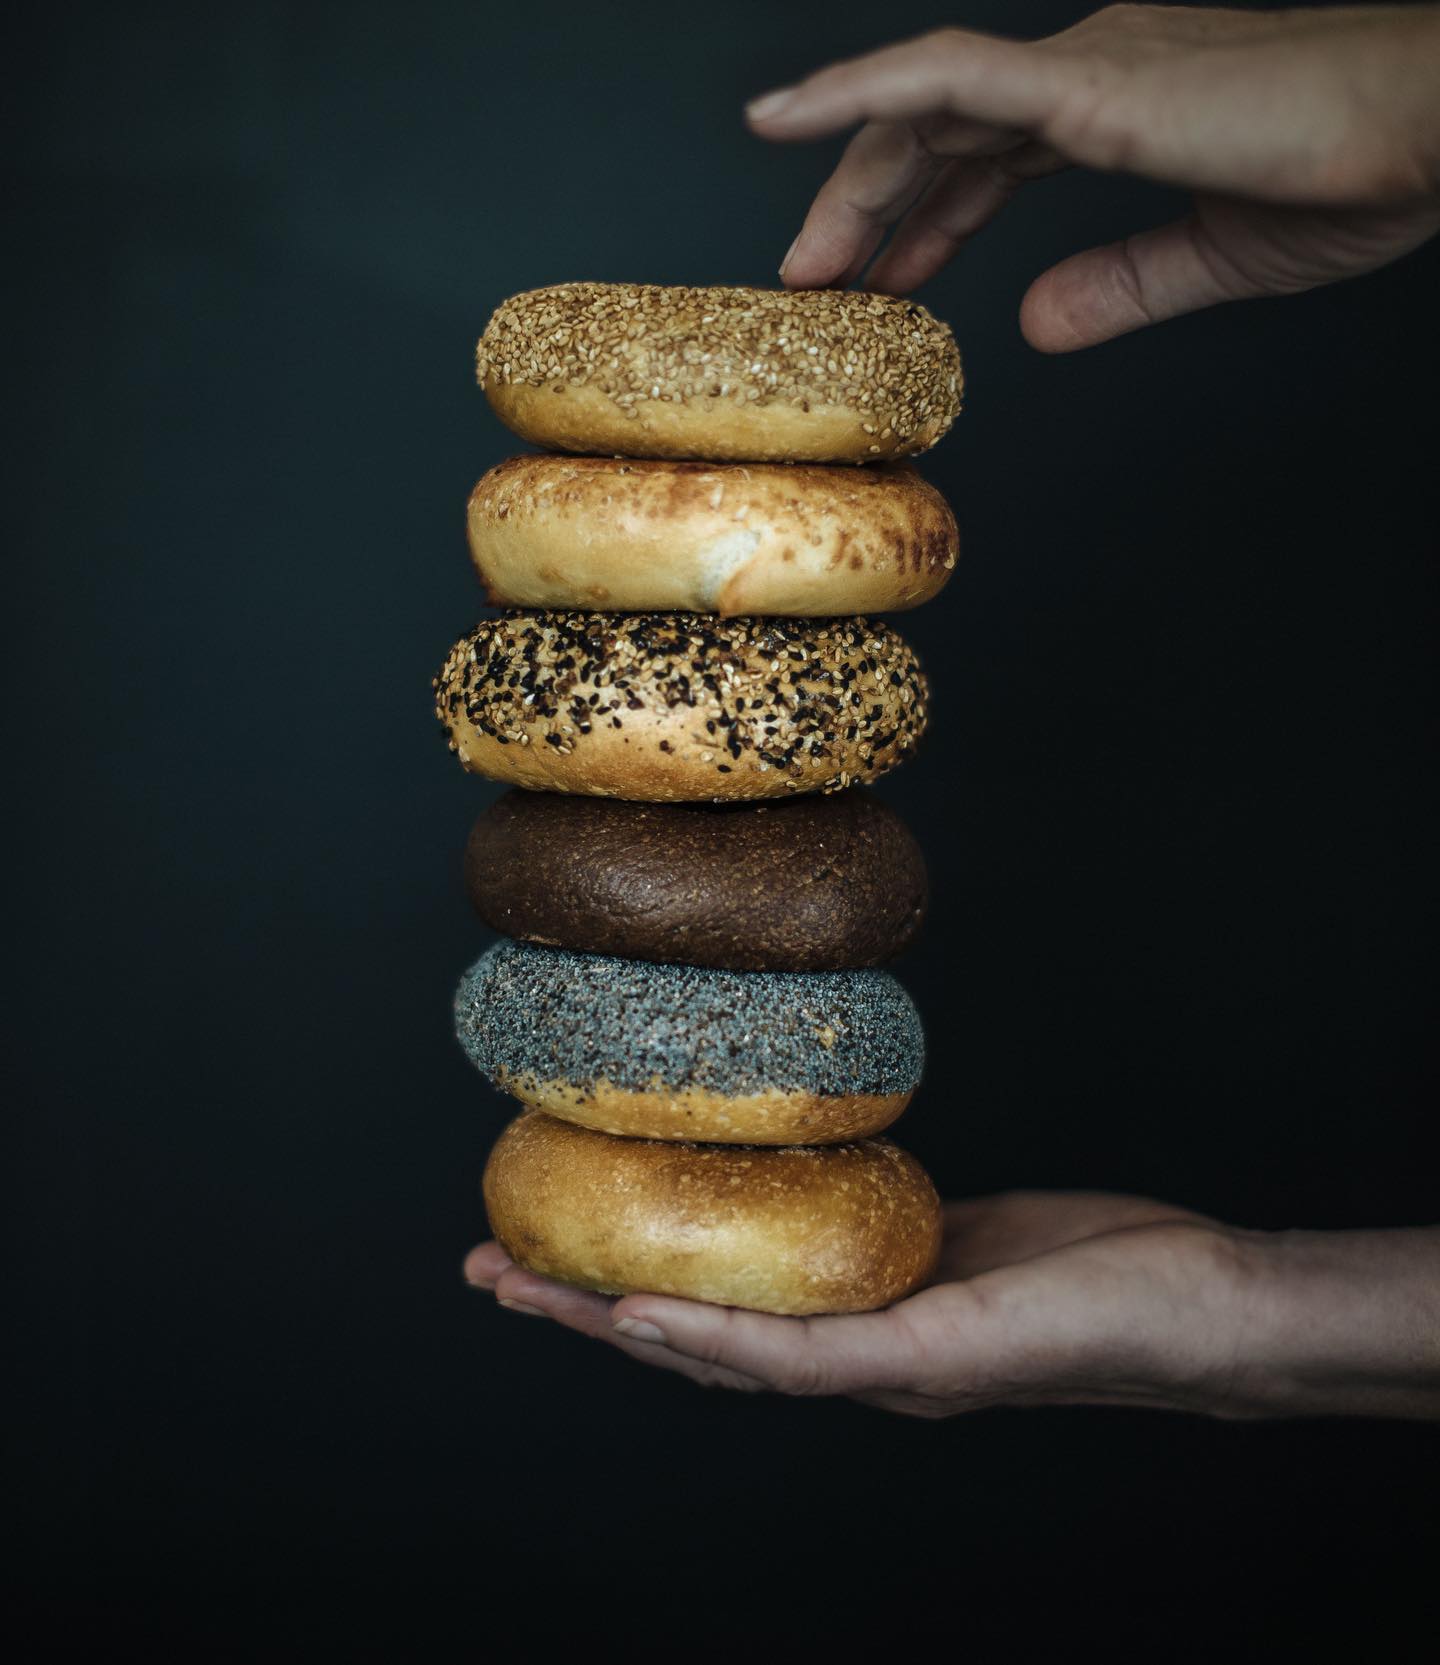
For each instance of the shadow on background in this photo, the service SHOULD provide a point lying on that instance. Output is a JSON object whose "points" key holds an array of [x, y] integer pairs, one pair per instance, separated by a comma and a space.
{"points": [[1179, 801]]}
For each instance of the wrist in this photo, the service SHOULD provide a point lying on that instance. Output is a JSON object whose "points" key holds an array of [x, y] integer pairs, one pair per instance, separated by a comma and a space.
{"points": [[1323, 1323], [1413, 116]]}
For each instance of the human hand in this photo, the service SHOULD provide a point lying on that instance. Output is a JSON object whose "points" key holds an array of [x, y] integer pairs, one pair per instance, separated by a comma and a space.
{"points": [[1039, 1298], [1070, 1298], [1310, 138]]}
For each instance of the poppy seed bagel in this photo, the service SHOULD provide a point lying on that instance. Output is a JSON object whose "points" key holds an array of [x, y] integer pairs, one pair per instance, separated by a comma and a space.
{"points": [[685, 1052]]}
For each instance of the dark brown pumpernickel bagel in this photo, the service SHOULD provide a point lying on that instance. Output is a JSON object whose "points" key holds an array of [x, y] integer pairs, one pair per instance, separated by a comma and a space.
{"points": [[806, 884]]}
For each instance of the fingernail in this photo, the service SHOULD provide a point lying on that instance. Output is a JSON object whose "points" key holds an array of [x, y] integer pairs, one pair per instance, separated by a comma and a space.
{"points": [[769, 104], [638, 1330], [519, 1306], [790, 251]]}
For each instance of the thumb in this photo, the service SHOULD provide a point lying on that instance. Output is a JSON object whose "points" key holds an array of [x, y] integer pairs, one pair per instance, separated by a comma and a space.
{"points": [[1144, 279]]}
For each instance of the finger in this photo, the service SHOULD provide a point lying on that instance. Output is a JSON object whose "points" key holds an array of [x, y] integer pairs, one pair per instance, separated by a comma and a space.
{"points": [[484, 1264], [590, 1315], [580, 1309], [965, 196], [882, 171], [918, 1404], [1008, 83], [840, 1354], [1144, 279], [886, 166]]}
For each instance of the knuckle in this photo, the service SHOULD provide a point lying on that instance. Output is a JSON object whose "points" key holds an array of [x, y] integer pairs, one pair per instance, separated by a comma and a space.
{"points": [[1125, 16], [831, 80], [710, 1348], [1094, 126], [927, 1409], [1370, 168], [1002, 176], [806, 1372], [729, 1381], [948, 37], [803, 1378], [1128, 282], [946, 45], [1233, 278], [920, 1406]]}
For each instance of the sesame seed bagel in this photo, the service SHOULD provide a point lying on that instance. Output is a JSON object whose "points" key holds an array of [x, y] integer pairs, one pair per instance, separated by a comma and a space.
{"points": [[601, 532], [798, 884], [846, 1228], [686, 1052], [729, 375], [680, 706]]}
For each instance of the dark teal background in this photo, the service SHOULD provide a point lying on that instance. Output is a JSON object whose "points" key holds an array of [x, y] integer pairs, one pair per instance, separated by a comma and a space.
{"points": [[1179, 800]]}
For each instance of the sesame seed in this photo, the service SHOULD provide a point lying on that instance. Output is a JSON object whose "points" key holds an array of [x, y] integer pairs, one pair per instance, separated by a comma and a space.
{"points": [[633, 343]]}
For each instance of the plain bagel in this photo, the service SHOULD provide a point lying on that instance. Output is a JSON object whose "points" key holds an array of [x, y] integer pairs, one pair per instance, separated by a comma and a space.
{"points": [[631, 536], [845, 1228], [752, 375], [683, 706]]}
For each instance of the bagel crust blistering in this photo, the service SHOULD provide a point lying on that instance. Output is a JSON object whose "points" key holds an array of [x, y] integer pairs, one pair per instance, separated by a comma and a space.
{"points": [[626, 535], [681, 706], [726, 374], [793, 1229]]}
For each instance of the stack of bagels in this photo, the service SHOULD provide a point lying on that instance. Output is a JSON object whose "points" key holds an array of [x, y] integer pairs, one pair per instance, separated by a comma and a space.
{"points": [[695, 887]]}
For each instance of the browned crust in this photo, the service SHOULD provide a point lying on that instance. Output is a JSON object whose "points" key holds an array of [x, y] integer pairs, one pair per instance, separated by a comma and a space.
{"points": [[771, 1117], [793, 1229], [584, 420], [635, 535]]}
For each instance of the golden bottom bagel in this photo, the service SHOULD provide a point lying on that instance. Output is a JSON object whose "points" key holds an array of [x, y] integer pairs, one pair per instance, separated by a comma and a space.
{"points": [[630, 536], [681, 706], [844, 1228]]}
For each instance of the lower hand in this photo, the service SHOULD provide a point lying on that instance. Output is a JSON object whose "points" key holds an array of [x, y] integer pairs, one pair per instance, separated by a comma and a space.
{"points": [[1070, 1298], [1039, 1298]]}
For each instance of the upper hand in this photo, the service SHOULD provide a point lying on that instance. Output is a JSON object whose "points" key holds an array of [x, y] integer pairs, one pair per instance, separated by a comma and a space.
{"points": [[1311, 140]]}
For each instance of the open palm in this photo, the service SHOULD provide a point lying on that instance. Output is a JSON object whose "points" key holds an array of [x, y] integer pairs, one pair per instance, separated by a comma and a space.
{"points": [[1040, 1297]]}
